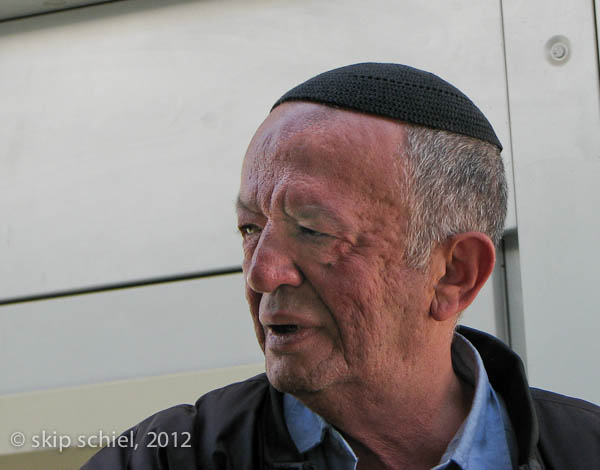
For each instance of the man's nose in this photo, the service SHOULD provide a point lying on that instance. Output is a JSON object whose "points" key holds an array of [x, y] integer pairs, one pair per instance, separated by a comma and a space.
{"points": [[272, 264]]}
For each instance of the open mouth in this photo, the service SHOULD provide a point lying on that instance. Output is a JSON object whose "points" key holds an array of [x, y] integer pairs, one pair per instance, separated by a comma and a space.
{"points": [[284, 329]]}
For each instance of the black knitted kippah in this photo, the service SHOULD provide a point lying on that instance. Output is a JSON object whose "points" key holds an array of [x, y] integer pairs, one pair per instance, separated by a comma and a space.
{"points": [[398, 92]]}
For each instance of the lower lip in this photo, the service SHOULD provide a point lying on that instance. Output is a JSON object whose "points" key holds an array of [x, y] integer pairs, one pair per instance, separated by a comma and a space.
{"points": [[288, 342]]}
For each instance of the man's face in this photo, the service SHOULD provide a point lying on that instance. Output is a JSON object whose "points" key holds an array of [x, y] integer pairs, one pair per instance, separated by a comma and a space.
{"points": [[323, 221]]}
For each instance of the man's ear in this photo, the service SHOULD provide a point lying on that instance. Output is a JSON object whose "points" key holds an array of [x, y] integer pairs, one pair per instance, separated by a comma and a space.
{"points": [[464, 262]]}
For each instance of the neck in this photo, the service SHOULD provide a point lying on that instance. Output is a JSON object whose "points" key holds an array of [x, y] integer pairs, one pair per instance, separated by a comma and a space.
{"points": [[403, 421]]}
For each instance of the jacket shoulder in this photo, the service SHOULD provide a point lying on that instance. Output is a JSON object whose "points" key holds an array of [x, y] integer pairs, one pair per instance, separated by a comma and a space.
{"points": [[221, 407], [216, 410], [231, 407], [575, 405], [236, 394], [569, 430], [193, 436]]}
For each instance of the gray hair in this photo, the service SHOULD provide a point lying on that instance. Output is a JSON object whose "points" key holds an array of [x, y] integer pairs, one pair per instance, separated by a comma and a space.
{"points": [[455, 184]]}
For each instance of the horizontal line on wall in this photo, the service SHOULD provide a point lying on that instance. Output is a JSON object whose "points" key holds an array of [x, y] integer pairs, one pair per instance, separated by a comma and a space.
{"points": [[47, 10], [122, 285]]}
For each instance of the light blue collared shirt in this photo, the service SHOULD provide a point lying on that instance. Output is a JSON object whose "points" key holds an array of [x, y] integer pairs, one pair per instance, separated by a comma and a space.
{"points": [[485, 440]]}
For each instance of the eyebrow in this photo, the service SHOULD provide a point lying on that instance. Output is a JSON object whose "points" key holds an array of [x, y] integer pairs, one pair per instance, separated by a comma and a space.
{"points": [[309, 212], [241, 205], [314, 211]]}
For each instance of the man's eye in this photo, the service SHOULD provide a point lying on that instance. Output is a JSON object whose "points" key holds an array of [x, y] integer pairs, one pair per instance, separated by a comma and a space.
{"points": [[311, 232], [248, 229]]}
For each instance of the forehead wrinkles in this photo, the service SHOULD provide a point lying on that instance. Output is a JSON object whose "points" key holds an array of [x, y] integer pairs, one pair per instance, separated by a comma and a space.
{"points": [[347, 148], [280, 144]]}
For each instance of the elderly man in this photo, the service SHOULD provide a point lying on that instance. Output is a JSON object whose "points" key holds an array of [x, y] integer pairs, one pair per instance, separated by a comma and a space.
{"points": [[370, 203]]}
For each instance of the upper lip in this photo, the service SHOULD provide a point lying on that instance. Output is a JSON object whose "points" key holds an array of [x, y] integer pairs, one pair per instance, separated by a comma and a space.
{"points": [[284, 318]]}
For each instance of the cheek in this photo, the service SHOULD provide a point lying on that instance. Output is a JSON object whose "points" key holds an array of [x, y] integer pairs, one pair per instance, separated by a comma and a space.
{"points": [[358, 282], [326, 254], [352, 292], [367, 306]]}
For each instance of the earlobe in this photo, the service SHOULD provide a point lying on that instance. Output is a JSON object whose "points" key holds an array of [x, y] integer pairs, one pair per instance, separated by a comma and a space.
{"points": [[465, 263], [443, 304]]}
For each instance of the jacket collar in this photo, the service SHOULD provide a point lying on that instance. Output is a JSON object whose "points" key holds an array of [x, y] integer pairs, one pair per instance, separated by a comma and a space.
{"points": [[278, 450], [507, 375]]}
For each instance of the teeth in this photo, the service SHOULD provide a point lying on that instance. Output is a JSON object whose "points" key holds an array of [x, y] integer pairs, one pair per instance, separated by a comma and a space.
{"points": [[284, 329]]}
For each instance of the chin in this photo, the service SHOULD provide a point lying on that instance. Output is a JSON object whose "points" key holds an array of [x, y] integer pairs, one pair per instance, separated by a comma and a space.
{"points": [[289, 382], [298, 380]]}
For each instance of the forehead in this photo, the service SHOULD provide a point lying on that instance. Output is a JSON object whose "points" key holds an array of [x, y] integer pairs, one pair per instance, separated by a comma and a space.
{"points": [[307, 144]]}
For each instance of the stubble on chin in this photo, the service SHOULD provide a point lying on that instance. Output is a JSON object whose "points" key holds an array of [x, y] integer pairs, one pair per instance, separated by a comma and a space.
{"points": [[301, 380]]}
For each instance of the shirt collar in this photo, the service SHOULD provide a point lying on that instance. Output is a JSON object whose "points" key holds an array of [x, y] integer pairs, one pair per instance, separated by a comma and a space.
{"points": [[468, 365], [307, 429], [485, 439]]}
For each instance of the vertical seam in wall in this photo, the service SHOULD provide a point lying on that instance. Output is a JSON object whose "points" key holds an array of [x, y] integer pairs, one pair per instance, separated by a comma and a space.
{"points": [[512, 162], [510, 134], [596, 33], [506, 312]]}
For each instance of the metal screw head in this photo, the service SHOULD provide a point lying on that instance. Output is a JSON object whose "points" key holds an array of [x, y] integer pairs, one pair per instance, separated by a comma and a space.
{"points": [[558, 50]]}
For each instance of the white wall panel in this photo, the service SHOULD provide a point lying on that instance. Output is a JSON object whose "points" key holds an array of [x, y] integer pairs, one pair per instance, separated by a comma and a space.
{"points": [[125, 123], [555, 120], [163, 329]]}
